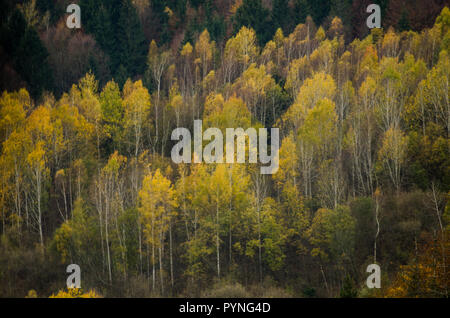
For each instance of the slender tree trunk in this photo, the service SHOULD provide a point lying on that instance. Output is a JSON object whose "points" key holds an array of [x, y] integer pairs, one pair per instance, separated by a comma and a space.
{"points": [[107, 250], [140, 243], [259, 244], [377, 207], [171, 254], [438, 214], [217, 236], [160, 266], [108, 254], [153, 259], [324, 279], [38, 194]]}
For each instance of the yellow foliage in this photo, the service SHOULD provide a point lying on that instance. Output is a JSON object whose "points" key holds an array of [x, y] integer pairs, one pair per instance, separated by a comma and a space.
{"points": [[242, 48], [187, 49], [76, 293], [318, 87], [157, 206]]}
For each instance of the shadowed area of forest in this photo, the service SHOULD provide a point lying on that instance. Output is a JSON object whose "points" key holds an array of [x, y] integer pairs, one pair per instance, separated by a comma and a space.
{"points": [[86, 175]]}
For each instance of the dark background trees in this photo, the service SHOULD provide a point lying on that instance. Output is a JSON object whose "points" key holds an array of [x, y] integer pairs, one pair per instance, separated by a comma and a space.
{"points": [[85, 169]]}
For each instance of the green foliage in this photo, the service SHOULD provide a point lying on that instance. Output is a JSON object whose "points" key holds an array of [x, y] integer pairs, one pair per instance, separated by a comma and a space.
{"points": [[74, 240], [348, 290], [429, 158], [332, 233], [273, 236], [112, 114], [363, 211]]}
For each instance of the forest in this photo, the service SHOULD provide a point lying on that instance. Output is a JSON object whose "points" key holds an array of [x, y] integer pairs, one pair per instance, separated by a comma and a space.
{"points": [[86, 175]]}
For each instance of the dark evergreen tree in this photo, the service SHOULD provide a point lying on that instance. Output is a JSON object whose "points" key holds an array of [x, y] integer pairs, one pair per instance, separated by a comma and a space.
{"points": [[363, 210], [121, 75], [403, 23], [281, 16], [27, 53], [31, 62], [196, 3], [191, 29], [384, 4], [216, 27], [300, 12], [161, 21], [90, 18], [252, 14], [180, 8], [104, 32], [341, 9], [319, 10], [131, 42], [116, 27]]}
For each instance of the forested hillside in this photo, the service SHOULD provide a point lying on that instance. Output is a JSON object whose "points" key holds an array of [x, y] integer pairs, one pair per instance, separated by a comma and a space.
{"points": [[86, 175]]}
